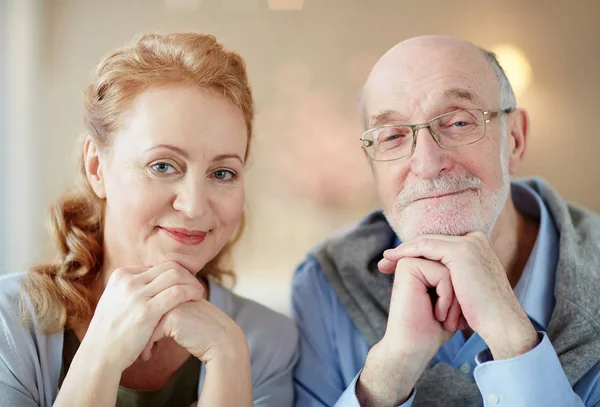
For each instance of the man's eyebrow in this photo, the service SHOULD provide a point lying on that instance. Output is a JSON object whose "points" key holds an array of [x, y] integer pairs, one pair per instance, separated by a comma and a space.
{"points": [[392, 116], [383, 117]]}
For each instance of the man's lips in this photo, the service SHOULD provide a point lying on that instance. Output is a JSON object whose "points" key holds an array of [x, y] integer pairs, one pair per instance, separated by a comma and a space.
{"points": [[185, 236], [441, 195]]}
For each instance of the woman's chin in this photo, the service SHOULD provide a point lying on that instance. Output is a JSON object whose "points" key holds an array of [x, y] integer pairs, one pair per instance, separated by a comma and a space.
{"points": [[187, 262]]}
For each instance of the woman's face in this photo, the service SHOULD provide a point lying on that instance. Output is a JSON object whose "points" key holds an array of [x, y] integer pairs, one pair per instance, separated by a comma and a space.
{"points": [[173, 179]]}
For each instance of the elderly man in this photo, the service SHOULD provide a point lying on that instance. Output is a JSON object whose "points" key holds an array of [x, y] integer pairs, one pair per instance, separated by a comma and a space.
{"points": [[467, 289]]}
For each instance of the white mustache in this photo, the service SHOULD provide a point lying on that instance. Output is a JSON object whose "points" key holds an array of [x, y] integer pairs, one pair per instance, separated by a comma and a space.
{"points": [[445, 184]]}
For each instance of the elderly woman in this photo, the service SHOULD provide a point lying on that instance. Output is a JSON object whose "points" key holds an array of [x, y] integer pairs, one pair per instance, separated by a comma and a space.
{"points": [[132, 313]]}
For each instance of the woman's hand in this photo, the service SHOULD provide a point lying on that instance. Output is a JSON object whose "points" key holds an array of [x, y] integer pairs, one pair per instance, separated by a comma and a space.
{"points": [[132, 305], [201, 328], [213, 337]]}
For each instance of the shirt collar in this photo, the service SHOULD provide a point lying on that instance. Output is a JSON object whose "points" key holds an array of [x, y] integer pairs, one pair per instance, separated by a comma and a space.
{"points": [[535, 289]]}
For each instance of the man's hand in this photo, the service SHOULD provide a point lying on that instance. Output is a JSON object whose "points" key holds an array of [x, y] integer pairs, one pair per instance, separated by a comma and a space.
{"points": [[481, 286], [415, 331]]}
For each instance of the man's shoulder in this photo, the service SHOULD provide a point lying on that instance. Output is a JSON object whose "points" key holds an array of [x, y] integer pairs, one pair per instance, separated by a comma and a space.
{"points": [[577, 222], [309, 280], [348, 233], [551, 197], [578, 270], [356, 244]]}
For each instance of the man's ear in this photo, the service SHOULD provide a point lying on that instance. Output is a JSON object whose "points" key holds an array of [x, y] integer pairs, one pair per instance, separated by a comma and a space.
{"points": [[517, 124], [93, 167]]}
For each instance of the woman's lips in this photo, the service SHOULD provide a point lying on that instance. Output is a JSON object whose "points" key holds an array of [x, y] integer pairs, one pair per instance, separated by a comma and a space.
{"points": [[185, 236]]}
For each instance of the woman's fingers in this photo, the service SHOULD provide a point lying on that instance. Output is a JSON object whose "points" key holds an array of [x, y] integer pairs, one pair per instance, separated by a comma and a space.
{"points": [[171, 297], [166, 275]]}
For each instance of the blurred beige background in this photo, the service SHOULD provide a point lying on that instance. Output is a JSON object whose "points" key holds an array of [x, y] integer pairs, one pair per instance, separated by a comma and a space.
{"points": [[307, 176]]}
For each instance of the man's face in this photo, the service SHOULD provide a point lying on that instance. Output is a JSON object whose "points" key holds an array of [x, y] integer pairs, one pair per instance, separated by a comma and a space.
{"points": [[438, 190]]}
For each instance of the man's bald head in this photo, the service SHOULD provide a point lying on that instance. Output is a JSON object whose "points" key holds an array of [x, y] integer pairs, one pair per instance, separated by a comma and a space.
{"points": [[418, 57]]}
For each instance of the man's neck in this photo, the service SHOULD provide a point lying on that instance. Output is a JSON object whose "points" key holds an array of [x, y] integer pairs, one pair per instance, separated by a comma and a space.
{"points": [[513, 239]]}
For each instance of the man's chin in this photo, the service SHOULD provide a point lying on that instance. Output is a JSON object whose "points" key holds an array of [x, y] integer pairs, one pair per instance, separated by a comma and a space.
{"points": [[410, 226]]}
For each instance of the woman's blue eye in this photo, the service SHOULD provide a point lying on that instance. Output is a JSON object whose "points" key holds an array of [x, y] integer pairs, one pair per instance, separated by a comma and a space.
{"points": [[224, 175], [163, 168]]}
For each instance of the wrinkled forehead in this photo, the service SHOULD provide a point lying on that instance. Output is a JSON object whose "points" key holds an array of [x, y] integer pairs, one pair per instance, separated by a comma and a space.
{"points": [[419, 81]]}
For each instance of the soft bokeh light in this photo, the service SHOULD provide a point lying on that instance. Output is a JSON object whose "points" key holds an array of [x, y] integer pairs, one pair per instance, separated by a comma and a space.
{"points": [[183, 5], [314, 140], [318, 151], [240, 5], [359, 66], [516, 65], [286, 4], [293, 77]]}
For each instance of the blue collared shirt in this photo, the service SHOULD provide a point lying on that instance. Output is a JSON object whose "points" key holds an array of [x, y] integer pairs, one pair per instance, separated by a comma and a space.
{"points": [[333, 351]]}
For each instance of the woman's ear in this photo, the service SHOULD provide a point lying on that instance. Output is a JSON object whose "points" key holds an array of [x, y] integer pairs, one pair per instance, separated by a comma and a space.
{"points": [[518, 131], [93, 167]]}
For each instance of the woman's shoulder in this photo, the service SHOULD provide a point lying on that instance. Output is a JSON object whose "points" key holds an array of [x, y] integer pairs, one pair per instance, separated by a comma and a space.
{"points": [[254, 318], [17, 317], [12, 326], [272, 337], [29, 359], [10, 294], [16, 312]]}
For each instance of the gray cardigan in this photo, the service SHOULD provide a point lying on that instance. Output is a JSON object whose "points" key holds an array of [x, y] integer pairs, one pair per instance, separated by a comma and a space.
{"points": [[30, 361]]}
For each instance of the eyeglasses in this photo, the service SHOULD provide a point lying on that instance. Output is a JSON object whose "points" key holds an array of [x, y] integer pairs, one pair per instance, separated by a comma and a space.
{"points": [[459, 128]]}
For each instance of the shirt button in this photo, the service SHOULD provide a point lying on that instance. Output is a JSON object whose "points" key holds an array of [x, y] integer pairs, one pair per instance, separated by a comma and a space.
{"points": [[465, 368], [494, 399]]}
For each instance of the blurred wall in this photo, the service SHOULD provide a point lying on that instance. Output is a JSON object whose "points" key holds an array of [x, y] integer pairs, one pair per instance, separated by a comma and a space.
{"points": [[307, 177], [23, 200], [3, 132]]}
